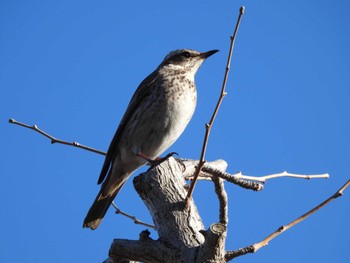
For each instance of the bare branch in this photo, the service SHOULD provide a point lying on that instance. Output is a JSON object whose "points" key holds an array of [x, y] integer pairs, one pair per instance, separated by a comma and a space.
{"points": [[263, 179], [215, 169], [238, 252], [55, 140], [134, 218], [222, 196], [141, 250], [78, 145], [281, 229], [233, 179], [248, 182], [221, 97], [255, 247]]}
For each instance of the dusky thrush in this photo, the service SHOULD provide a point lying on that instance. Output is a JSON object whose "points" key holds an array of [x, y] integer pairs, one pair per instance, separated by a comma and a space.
{"points": [[157, 114]]}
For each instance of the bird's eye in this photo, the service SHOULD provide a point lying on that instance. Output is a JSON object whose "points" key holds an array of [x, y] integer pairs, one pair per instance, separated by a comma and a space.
{"points": [[186, 54]]}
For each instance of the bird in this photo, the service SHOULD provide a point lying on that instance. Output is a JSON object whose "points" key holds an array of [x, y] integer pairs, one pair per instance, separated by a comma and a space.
{"points": [[156, 116]]}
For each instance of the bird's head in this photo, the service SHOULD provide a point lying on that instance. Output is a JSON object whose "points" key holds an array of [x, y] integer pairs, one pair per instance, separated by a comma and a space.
{"points": [[186, 60]]}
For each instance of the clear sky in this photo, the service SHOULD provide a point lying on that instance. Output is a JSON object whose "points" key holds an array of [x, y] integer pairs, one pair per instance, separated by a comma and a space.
{"points": [[71, 67]]}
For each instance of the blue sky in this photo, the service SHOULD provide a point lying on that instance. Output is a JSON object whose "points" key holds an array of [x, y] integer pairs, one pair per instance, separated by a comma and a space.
{"points": [[71, 67]]}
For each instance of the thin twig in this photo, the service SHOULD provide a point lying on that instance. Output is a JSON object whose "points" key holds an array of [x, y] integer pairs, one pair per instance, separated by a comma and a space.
{"points": [[255, 247], [209, 170], [134, 218], [55, 140], [281, 229], [263, 179], [221, 97]]}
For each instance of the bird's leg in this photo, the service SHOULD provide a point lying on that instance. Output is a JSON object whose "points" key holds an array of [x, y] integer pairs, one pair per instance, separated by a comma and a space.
{"points": [[145, 157], [156, 161]]}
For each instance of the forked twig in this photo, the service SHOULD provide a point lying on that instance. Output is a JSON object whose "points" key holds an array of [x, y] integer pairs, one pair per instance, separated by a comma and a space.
{"points": [[134, 218], [221, 97], [55, 140], [255, 247]]}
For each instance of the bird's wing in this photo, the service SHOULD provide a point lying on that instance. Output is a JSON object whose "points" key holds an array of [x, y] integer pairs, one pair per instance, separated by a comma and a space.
{"points": [[142, 91]]}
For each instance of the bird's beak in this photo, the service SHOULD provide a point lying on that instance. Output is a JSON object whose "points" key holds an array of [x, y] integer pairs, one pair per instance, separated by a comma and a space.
{"points": [[205, 55]]}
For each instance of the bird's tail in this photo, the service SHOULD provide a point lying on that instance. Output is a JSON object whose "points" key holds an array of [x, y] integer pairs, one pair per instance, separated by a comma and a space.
{"points": [[99, 208]]}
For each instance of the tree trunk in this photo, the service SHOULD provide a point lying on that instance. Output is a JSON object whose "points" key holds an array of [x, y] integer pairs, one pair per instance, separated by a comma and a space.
{"points": [[182, 237]]}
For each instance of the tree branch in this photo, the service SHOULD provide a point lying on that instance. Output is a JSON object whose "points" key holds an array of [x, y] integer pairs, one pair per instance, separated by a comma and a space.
{"points": [[78, 145], [263, 179], [147, 250], [134, 218], [255, 247], [55, 140], [222, 196], [212, 169], [233, 179], [216, 168], [221, 97]]}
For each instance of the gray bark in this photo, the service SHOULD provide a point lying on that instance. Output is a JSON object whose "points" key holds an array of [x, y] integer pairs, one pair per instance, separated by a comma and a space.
{"points": [[182, 237]]}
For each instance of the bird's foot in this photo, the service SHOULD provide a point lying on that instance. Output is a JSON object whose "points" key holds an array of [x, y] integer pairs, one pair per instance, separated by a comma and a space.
{"points": [[156, 161]]}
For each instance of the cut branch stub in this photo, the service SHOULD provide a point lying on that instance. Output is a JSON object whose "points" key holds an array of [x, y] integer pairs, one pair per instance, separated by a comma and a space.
{"points": [[213, 250]]}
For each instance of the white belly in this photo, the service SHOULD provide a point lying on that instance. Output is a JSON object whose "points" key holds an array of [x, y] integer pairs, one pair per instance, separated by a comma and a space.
{"points": [[160, 125]]}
